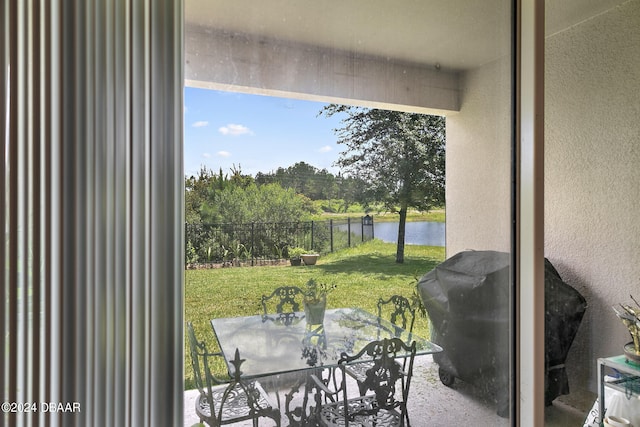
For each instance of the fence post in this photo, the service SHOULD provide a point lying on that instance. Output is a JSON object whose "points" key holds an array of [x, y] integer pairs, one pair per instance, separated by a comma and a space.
{"points": [[312, 229], [373, 236], [348, 231], [253, 243], [331, 235]]}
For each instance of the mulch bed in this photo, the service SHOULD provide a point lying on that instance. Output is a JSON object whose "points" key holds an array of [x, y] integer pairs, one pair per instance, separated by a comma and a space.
{"points": [[229, 264]]}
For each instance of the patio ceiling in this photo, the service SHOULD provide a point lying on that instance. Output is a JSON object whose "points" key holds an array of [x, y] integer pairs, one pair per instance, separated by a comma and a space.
{"points": [[456, 34]]}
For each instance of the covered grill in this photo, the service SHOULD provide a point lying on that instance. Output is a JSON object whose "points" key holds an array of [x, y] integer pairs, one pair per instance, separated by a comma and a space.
{"points": [[468, 298]]}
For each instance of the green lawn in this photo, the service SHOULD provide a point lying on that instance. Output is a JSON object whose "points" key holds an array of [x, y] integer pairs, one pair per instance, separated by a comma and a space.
{"points": [[362, 274]]}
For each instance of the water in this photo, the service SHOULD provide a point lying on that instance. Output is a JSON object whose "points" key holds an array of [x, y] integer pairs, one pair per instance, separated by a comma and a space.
{"points": [[416, 233]]}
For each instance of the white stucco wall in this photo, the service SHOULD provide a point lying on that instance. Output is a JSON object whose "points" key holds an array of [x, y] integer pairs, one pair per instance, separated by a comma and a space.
{"points": [[592, 174], [478, 192]]}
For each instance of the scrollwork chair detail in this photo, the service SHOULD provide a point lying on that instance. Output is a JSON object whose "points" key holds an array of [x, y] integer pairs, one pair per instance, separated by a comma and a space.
{"points": [[401, 314], [283, 304], [388, 382], [223, 401]]}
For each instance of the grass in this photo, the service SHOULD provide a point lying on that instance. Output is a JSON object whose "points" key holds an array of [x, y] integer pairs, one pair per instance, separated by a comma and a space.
{"points": [[362, 274]]}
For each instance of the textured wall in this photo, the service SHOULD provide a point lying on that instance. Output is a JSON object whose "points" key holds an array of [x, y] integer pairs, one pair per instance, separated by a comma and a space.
{"points": [[592, 174], [479, 162]]}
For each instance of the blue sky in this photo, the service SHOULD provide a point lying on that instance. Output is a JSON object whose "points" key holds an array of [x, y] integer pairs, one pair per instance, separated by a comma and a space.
{"points": [[257, 133]]}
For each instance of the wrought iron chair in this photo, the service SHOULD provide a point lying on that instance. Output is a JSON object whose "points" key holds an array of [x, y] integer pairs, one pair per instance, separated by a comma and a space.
{"points": [[224, 401], [283, 305], [401, 314], [387, 405]]}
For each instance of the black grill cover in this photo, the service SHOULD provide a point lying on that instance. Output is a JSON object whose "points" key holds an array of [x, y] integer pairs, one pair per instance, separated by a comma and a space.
{"points": [[468, 301]]}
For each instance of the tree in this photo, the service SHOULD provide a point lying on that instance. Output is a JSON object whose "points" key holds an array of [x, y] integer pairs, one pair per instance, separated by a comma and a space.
{"points": [[200, 190], [238, 178], [218, 198], [399, 156], [305, 179], [265, 203], [350, 191]]}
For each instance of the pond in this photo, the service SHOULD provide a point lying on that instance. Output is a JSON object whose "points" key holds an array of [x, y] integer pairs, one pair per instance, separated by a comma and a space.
{"points": [[416, 233]]}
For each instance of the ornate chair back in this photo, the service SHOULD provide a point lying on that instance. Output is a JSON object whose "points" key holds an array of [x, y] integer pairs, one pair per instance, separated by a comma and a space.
{"points": [[199, 362], [402, 316], [388, 380], [399, 311], [225, 401], [283, 304]]}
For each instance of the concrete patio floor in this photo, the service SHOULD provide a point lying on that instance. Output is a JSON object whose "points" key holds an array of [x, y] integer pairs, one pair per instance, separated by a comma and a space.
{"points": [[433, 404]]}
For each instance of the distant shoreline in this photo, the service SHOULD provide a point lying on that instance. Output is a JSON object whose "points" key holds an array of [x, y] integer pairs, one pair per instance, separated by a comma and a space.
{"points": [[436, 215]]}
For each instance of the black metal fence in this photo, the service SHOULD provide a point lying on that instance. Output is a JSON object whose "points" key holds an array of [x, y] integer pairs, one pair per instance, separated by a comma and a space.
{"points": [[256, 242]]}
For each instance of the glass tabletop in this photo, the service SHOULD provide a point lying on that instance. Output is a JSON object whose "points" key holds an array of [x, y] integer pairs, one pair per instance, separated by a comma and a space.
{"points": [[272, 344]]}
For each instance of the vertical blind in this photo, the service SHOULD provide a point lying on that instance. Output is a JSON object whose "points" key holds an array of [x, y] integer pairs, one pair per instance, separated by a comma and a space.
{"points": [[91, 180]]}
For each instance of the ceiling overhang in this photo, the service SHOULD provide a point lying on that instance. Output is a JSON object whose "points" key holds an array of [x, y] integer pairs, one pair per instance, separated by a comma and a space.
{"points": [[336, 49]]}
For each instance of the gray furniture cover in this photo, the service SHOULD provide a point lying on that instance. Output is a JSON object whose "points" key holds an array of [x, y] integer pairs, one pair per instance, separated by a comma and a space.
{"points": [[468, 297]]}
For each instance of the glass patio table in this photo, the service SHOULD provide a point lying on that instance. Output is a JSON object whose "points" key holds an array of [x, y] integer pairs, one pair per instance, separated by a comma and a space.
{"points": [[273, 345]]}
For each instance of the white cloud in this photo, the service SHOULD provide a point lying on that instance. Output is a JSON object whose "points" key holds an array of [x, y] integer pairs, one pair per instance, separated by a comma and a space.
{"points": [[234, 130], [224, 154], [206, 155], [200, 124], [325, 149]]}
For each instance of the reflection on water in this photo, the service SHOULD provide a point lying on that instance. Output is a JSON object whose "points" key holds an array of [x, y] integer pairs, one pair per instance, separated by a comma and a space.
{"points": [[416, 233]]}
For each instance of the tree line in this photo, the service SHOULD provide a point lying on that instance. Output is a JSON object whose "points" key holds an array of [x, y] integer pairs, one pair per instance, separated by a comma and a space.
{"points": [[281, 196], [314, 183]]}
